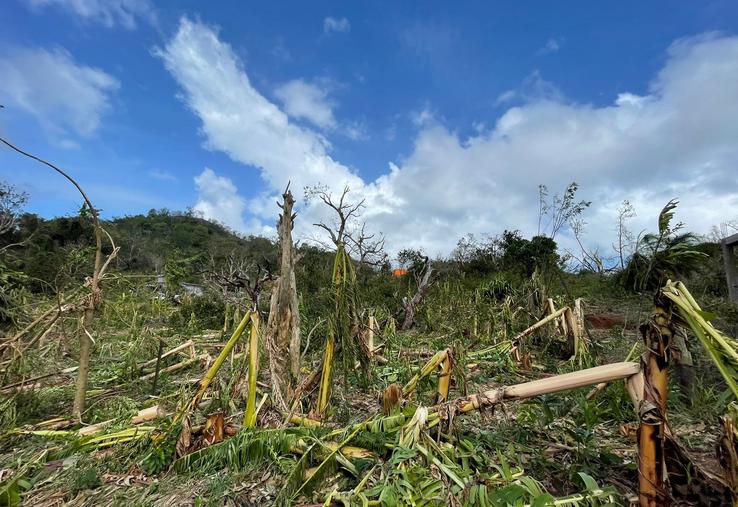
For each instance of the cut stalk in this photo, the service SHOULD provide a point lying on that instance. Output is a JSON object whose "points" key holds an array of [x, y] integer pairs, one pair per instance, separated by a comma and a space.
{"points": [[210, 375], [249, 420], [433, 363], [561, 324], [651, 460], [325, 377], [548, 318], [370, 334], [444, 379], [226, 315], [572, 335], [159, 352]]}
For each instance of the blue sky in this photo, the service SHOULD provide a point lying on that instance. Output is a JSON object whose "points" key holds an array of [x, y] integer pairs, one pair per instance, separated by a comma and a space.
{"points": [[445, 117]]}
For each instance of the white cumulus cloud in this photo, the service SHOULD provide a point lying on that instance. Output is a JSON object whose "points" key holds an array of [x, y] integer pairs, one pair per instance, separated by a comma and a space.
{"points": [[308, 101], [65, 97], [219, 200], [238, 120], [678, 140]]}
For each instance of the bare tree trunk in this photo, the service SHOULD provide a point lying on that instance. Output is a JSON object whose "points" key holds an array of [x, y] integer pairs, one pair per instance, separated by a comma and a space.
{"points": [[85, 347], [85, 341], [283, 326], [412, 305], [295, 345]]}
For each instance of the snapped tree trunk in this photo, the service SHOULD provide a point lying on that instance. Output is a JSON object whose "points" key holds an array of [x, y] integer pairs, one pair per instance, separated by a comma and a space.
{"points": [[295, 342], [657, 335], [85, 347], [412, 306], [283, 326], [92, 302]]}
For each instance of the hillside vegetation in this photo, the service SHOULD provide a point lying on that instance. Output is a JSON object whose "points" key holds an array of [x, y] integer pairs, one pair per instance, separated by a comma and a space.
{"points": [[402, 395]]}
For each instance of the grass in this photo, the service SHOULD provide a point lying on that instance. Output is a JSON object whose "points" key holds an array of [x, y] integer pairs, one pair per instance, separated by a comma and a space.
{"points": [[530, 449]]}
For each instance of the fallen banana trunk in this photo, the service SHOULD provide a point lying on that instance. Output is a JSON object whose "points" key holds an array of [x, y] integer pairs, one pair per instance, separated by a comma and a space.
{"points": [[492, 397], [92, 440], [57, 426], [301, 420], [555, 384], [502, 347], [119, 437], [212, 371], [601, 386]]}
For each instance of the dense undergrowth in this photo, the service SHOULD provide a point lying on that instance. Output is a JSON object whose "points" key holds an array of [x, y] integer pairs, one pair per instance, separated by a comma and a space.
{"points": [[558, 449], [519, 453]]}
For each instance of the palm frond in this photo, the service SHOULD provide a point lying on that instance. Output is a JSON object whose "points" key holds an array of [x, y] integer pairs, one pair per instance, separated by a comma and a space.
{"points": [[666, 215], [723, 350]]}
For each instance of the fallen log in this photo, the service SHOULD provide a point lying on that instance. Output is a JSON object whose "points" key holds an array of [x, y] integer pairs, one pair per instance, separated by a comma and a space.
{"points": [[492, 397], [557, 383]]}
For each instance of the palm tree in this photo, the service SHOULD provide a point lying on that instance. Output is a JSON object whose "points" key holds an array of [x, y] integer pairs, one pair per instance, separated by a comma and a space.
{"points": [[663, 256]]}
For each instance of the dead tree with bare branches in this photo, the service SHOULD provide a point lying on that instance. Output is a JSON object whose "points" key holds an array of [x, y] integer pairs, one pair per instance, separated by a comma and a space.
{"points": [[349, 237], [423, 278], [368, 249], [236, 277], [347, 228], [346, 214]]}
